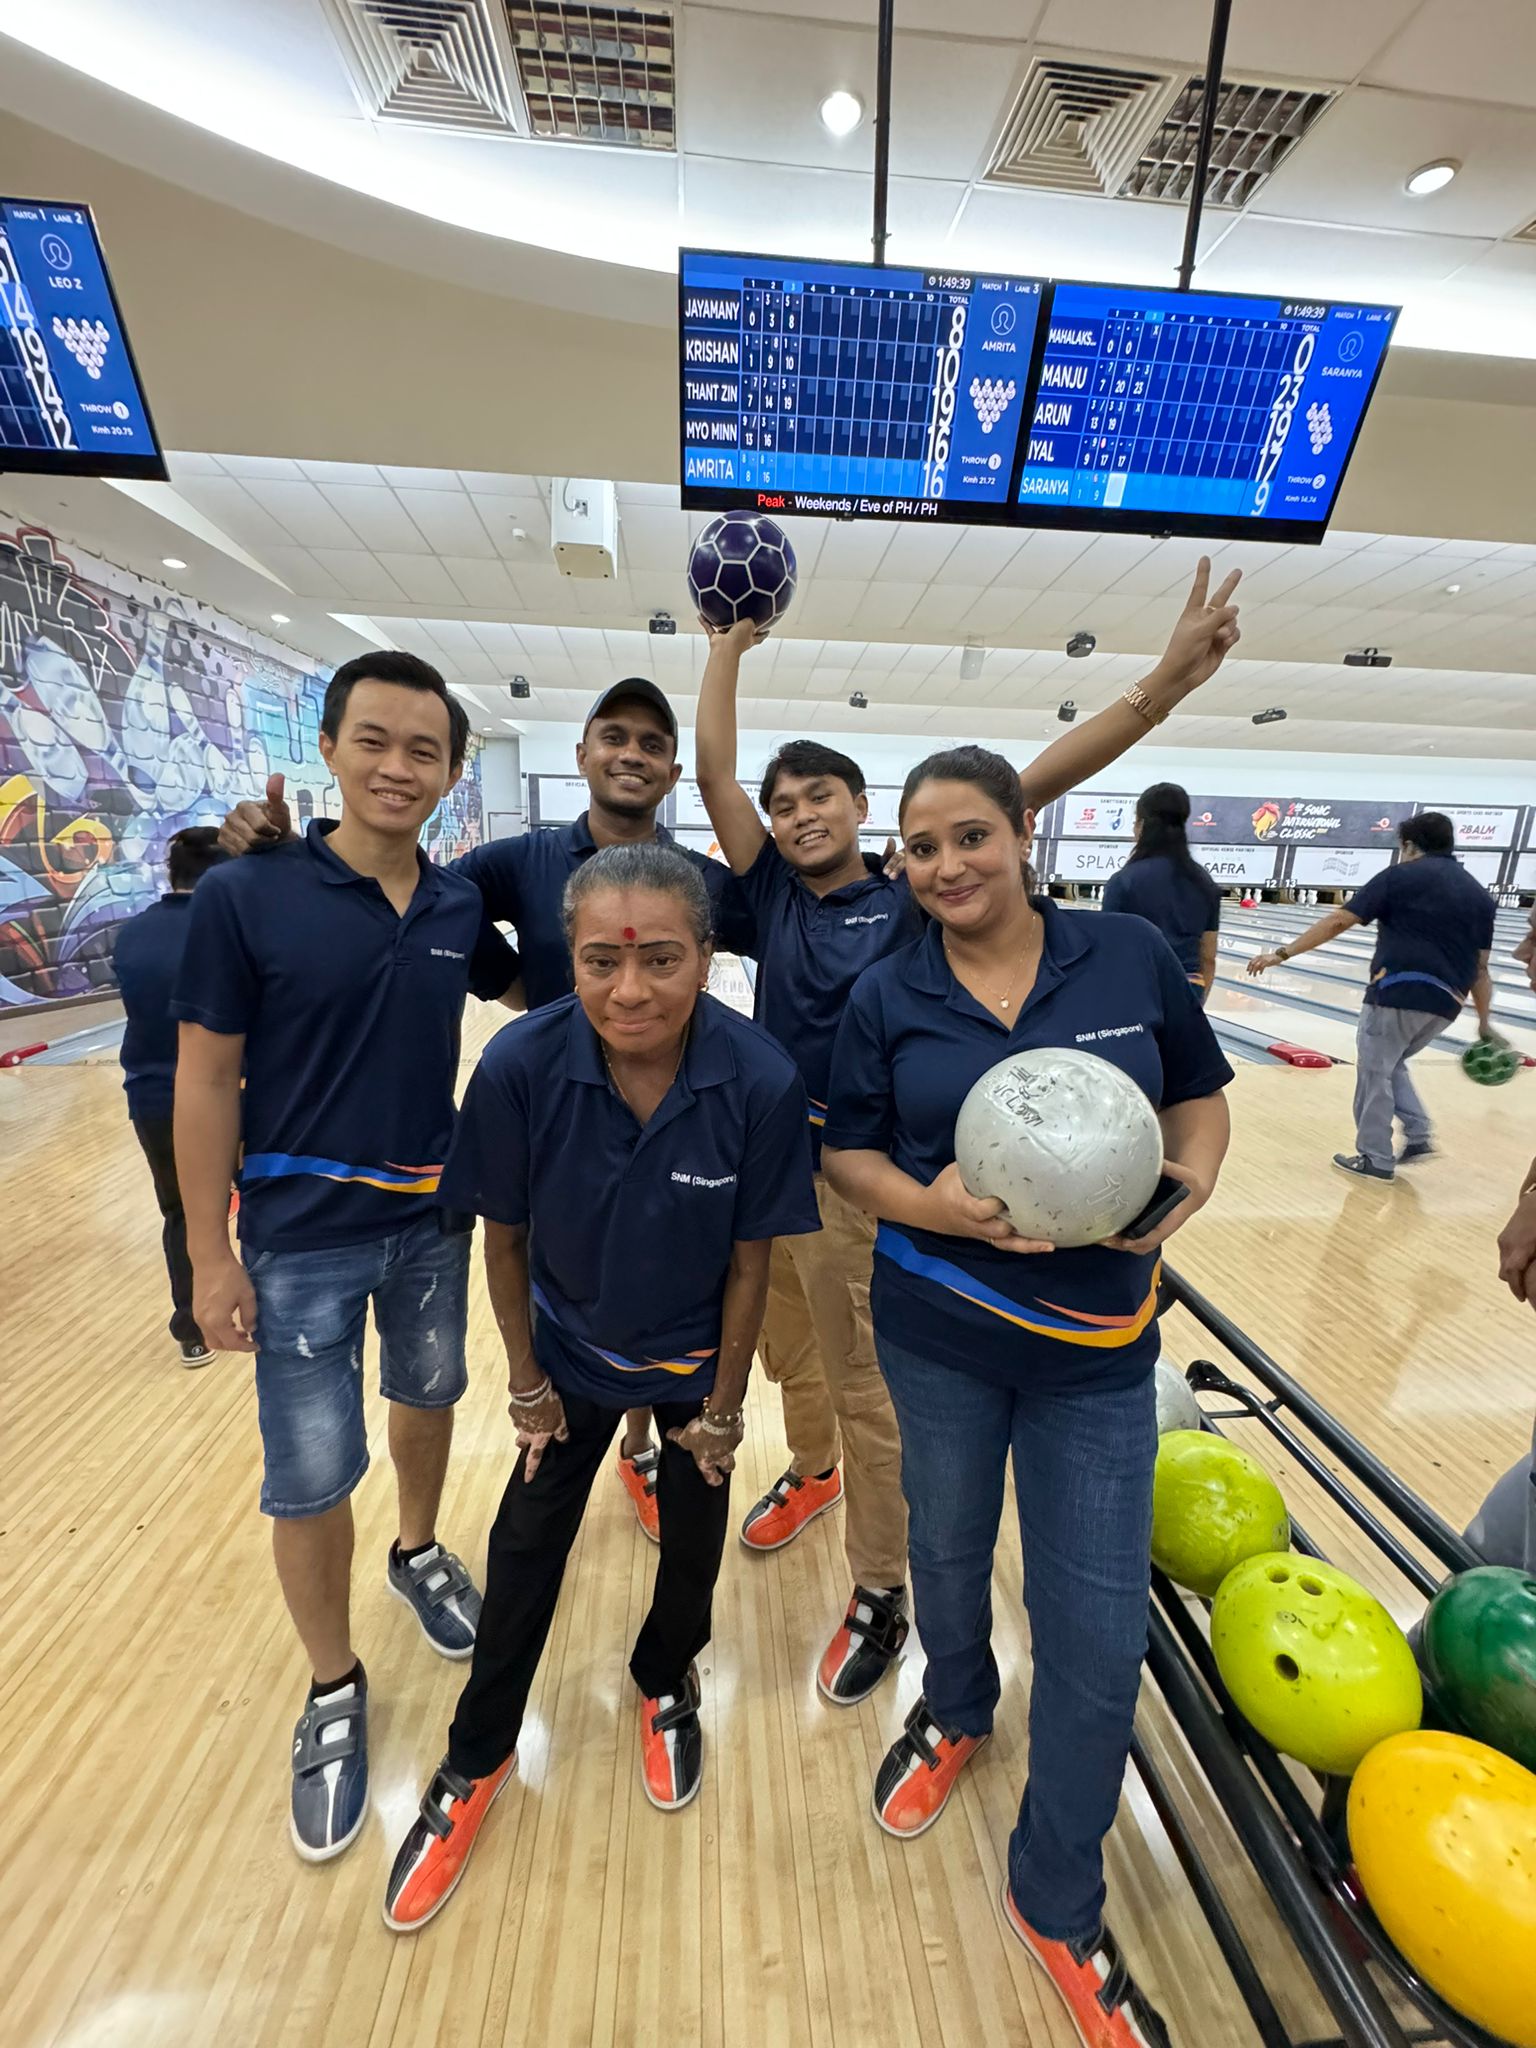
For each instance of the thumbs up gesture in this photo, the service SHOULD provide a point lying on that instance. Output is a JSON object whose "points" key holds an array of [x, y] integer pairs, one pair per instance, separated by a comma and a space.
{"points": [[252, 827]]}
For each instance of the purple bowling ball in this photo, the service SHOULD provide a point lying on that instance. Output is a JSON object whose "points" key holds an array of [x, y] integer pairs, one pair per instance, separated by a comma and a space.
{"points": [[742, 567]]}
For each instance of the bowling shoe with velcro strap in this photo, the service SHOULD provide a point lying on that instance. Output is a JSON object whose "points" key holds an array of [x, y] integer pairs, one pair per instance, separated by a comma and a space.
{"points": [[1099, 1992], [637, 1476], [432, 1857], [791, 1502], [913, 1784], [440, 1593], [672, 1745], [329, 1799], [865, 1646]]}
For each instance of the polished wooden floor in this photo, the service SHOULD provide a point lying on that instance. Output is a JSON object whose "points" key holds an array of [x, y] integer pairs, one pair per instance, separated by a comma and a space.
{"points": [[149, 1897]]}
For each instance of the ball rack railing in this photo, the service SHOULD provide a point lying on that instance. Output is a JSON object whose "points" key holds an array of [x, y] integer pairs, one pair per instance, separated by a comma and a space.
{"points": [[1297, 1848]]}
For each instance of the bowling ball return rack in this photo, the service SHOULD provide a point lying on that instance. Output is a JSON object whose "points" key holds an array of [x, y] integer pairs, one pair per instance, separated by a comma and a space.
{"points": [[1293, 1837]]}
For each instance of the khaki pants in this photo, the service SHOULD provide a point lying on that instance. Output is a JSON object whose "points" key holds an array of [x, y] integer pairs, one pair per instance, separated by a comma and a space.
{"points": [[818, 1346]]}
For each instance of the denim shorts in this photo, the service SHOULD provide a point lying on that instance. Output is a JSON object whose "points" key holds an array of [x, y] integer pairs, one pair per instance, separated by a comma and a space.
{"points": [[311, 1315]]}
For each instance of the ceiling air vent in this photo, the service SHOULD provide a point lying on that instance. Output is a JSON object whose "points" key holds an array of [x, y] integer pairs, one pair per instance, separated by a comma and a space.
{"points": [[1079, 127], [596, 74], [1257, 127], [429, 63]]}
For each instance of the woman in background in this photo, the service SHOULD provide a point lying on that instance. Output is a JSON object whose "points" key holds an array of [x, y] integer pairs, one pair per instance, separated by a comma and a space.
{"points": [[1164, 883]]}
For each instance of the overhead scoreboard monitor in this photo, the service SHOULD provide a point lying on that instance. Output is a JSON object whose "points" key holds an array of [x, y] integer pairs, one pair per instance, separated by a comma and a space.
{"points": [[844, 389], [70, 398], [1197, 412], [858, 391]]}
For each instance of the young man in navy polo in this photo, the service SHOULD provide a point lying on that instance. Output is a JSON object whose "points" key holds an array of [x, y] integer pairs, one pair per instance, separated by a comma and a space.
{"points": [[333, 975], [822, 918], [627, 755], [146, 958]]}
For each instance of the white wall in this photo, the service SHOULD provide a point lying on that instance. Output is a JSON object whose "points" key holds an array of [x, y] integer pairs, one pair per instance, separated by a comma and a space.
{"points": [[501, 786], [549, 749]]}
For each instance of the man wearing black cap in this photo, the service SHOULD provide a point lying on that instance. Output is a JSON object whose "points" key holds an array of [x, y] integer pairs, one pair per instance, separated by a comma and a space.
{"points": [[627, 755]]}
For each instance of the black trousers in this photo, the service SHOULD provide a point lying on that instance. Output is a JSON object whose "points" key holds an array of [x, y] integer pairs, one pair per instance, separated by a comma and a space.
{"points": [[530, 1541], [154, 1136]]}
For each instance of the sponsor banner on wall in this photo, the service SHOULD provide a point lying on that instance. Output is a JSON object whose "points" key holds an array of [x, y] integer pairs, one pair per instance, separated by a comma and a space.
{"points": [[1487, 825], [1338, 867], [556, 799], [1482, 867], [1087, 860], [702, 841], [884, 800], [1525, 871], [1094, 814], [1233, 864], [1294, 821]]}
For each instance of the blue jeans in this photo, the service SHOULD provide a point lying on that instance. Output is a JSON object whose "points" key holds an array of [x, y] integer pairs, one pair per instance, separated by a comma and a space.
{"points": [[311, 1317], [1082, 1471]]}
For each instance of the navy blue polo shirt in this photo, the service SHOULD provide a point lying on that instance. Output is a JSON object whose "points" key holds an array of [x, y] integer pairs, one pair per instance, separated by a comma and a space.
{"points": [[1183, 906], [1432, 922], [523, 880], [351, 1018], [911, 1047], [811, 950], [146, 958], [630, 1227]]}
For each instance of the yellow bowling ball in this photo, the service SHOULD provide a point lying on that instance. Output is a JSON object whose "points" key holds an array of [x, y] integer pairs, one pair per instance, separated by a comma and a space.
{"points": [[1443, 1833]]}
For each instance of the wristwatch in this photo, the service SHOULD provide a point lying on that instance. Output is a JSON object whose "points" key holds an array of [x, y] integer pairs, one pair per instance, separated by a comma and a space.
{"points": [[1143, 705], [1282, 953]]}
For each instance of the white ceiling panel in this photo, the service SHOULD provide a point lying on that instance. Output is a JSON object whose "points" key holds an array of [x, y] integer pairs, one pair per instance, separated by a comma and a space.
{"points": [[303, 511], [1355, 161], [449, 522], [799, 212], [423, 578], [1308, 39], [355, 574], [1261, 255], [1477, 49], [946, 95], [374, 513]]}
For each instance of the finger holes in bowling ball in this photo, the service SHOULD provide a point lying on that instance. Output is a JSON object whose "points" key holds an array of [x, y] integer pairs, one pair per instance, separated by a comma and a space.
{"points": [[1277, 1574], [1312, 1586], [1288, 1668]]}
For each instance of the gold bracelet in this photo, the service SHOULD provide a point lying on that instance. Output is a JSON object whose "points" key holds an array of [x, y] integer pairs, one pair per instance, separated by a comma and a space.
{"points": [[1143, 705]]}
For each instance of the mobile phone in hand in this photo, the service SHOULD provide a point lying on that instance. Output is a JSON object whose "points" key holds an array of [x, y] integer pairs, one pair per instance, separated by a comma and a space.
{"points": [[1166, 1197]]}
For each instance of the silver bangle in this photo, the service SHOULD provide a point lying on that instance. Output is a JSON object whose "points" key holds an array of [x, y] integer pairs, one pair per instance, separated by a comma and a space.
{"points": [[720, 1425], [531, 1400]]}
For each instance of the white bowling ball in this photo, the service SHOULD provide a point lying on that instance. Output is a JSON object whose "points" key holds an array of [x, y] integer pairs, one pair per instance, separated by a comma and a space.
{"points": [[1068, 1143], [1177, 1407]]}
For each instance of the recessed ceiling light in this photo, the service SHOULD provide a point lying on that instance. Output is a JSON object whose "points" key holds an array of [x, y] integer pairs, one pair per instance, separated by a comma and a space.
{"points": [[1432, 177], [1453, 590], [172, 562], [841, 112], [279, 618]]}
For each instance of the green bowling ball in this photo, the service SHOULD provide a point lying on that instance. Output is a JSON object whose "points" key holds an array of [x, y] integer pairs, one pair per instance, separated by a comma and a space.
{"points": [[1490, 1062], [1313, 1661], [1212, 1506], [1480, 1651]]}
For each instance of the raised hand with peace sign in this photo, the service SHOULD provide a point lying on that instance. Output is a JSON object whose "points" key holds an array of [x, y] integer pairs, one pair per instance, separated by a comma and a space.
{"points": [[1203, 637]]}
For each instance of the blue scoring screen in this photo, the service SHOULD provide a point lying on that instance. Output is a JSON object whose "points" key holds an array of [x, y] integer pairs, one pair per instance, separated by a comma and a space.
{"points": [[1198, 412], [845, 389], [69, 395]]}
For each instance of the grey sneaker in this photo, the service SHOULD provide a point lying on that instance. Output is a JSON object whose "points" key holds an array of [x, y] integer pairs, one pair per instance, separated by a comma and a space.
{"points": [[442, 1596], [330, 1772], [1412, 1154]]}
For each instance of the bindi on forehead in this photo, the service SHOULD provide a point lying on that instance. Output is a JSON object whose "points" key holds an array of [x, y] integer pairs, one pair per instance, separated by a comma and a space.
{"points": [[629, 933]]}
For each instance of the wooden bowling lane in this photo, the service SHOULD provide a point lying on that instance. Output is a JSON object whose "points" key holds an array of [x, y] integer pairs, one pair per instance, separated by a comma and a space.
{"points": [[148, 1680]]}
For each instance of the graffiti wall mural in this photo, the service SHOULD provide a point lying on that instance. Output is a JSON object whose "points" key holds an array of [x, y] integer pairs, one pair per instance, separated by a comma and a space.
{"points": [[127, 712]]}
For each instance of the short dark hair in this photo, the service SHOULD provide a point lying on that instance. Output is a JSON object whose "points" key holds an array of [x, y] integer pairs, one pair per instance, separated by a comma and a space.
{"points": [[190, 853], [1430, 832], [644, 864], [990, 773], [809, 757], [410, 672]]}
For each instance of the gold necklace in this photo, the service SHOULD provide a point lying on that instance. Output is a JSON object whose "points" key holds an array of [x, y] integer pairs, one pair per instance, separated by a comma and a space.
{"points": [[619, 1085], [1006, 997]]}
